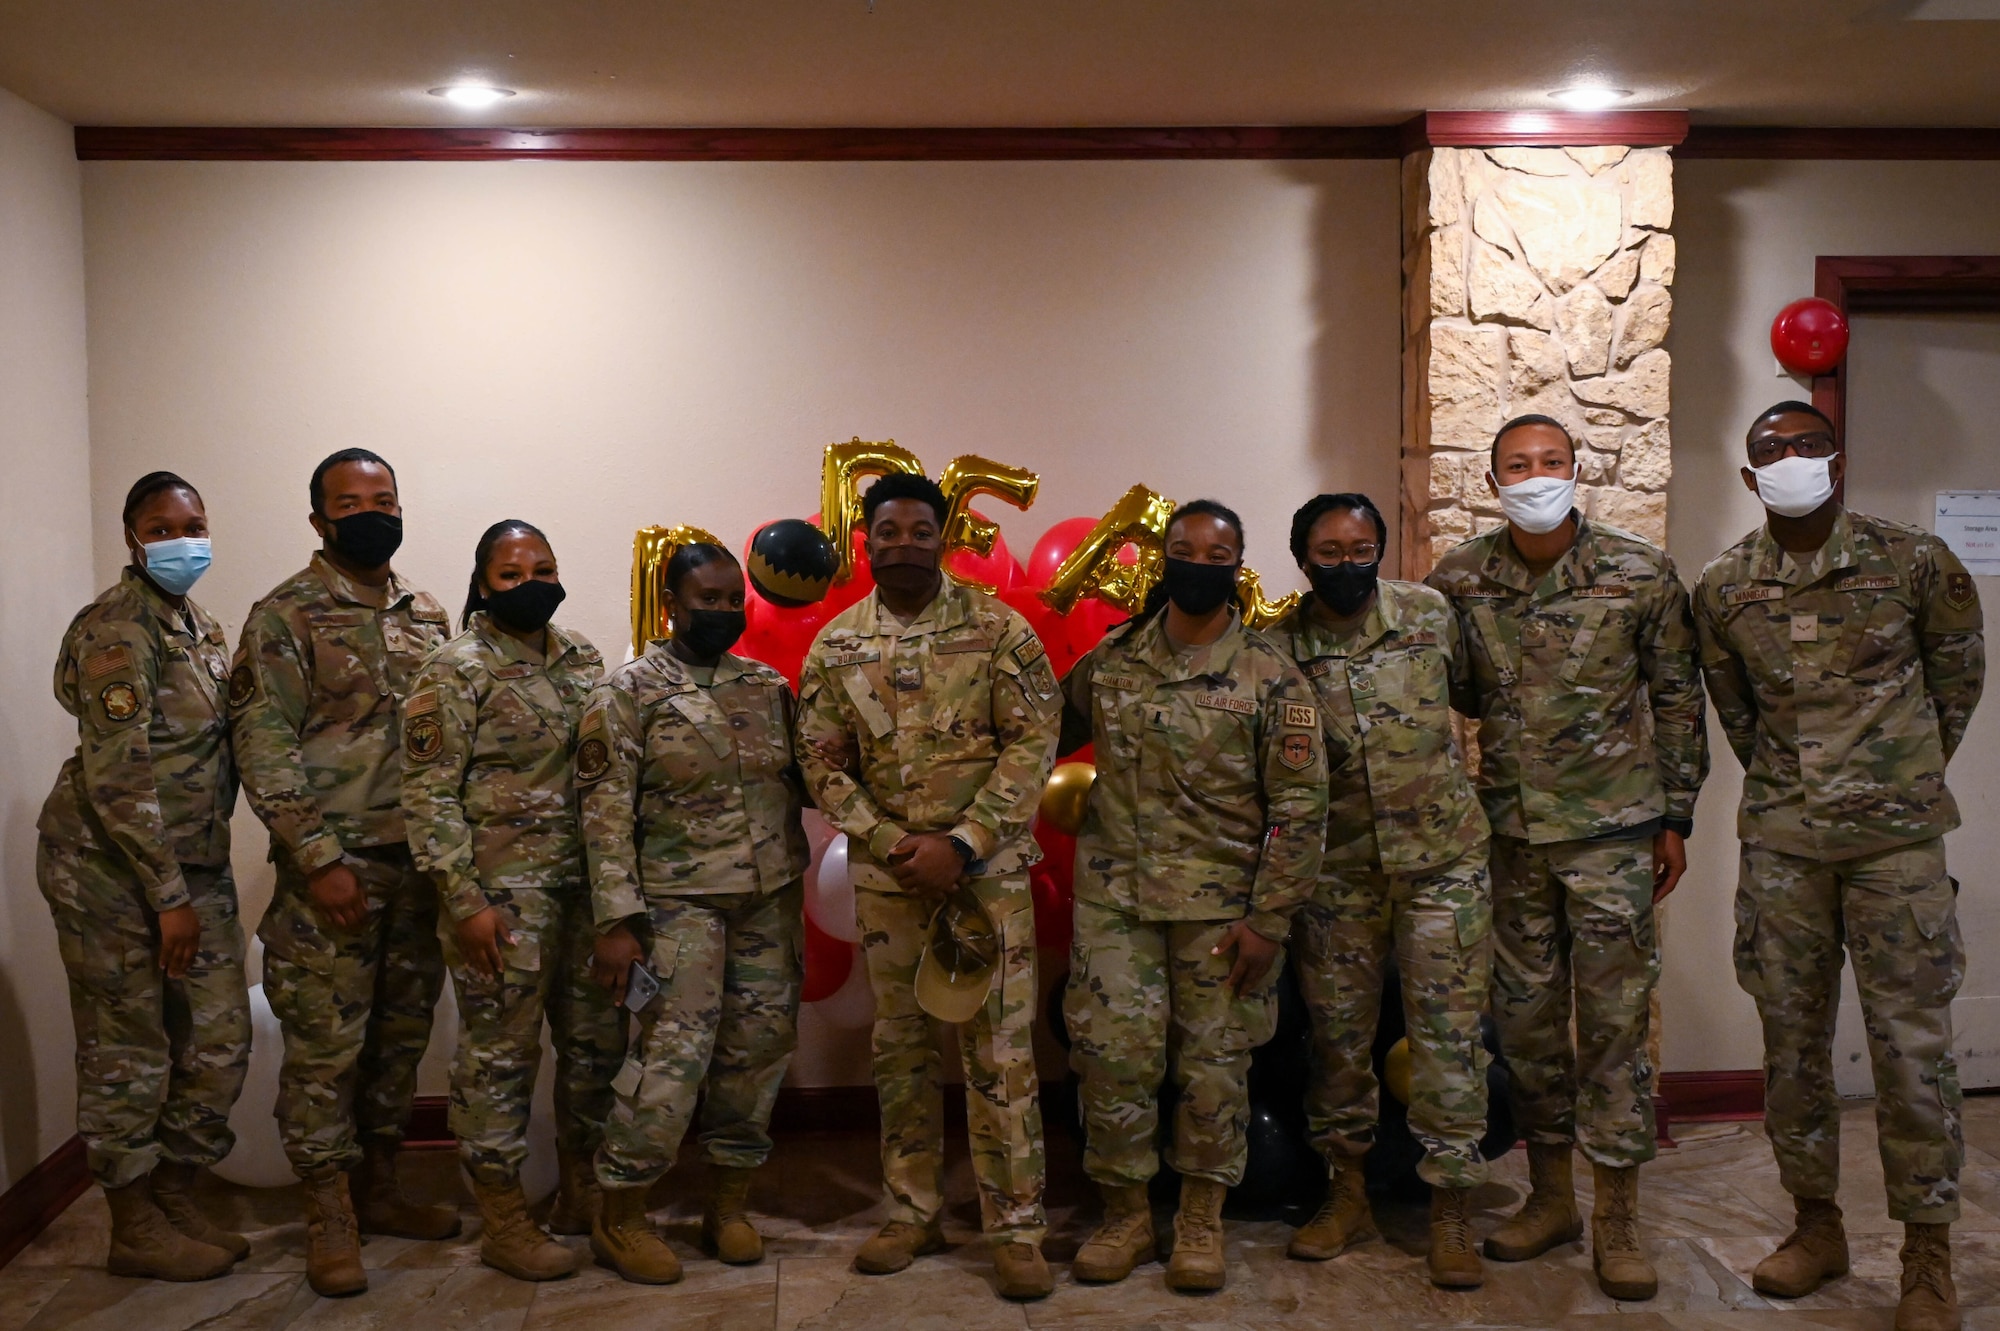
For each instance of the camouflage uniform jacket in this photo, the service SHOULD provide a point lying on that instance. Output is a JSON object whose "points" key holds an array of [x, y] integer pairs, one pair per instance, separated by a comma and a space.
{"points": [[1385, 691], [1586, 683], [1210, 798], [489, 733], [954, 718], [315, 701], [152, 781], [1844, 682], [688, 788]]}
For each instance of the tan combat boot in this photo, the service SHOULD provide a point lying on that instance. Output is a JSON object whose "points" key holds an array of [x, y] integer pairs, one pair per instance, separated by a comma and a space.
{"points": [[1022, 1272], [1549, 1217], [512, 1242], [1814, 1253], [572, 1207], [1200, 1261], [1342, 1219], [380, 1206], [1454, 1261], [145, 1244], [1122, 1241], [625, 1240], [1622, 1269], [173, 1192], [333, 1243], [726, 1230], [1930, 1301], [895, 1246]]}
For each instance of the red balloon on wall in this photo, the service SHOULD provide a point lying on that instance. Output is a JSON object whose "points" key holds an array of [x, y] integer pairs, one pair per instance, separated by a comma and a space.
{"points": [[1056, 545], [1809, 336], [827, 963]]}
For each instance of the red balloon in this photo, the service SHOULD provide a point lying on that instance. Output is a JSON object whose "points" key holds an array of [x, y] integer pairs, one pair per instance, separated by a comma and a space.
{"points": [[828, 962], [1056, 545], [1809, 336], [1085, 626]]}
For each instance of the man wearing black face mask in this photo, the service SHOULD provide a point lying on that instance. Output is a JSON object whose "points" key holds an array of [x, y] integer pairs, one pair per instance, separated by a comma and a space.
{"points": [[1405, 868], [352, 963], [927, 726]]}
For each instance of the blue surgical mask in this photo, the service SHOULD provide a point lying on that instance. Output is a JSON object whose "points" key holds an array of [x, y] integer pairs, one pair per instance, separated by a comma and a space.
{"points": [[178, 564]]}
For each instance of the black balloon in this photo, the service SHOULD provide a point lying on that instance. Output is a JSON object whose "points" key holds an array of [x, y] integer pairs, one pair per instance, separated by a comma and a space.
{"points": [[791, 562], [1281, 1166]]}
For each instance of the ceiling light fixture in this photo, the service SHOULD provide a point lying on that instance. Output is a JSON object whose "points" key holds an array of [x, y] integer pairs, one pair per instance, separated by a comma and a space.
{"points": [[472, 96], [1590, 97]]}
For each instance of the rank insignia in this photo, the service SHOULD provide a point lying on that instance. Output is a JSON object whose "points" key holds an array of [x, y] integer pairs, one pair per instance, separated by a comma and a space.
{"points": [[119, 700], [1958, 590]]}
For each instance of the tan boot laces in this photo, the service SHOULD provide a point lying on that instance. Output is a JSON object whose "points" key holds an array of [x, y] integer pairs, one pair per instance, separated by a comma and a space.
{"points": [[332, 1210], [1453, 1235], [1927, 1263], [1195, 1227]]}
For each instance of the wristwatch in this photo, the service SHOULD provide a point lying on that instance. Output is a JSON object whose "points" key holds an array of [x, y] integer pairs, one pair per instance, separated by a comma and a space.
{"points": [[964, 849]]}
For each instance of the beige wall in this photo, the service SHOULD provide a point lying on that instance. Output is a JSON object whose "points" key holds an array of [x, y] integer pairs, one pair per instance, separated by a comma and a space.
{"points": [[1749, 232], [45, 575], [597, 347]]}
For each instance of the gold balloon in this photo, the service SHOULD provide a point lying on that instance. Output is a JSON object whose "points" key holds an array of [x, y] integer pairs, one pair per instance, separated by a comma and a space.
{"points": [[971, 475], [652, 547], [1092, 569], [840, 492], [1396, 1069], [1259, 613], [1067, 795]]}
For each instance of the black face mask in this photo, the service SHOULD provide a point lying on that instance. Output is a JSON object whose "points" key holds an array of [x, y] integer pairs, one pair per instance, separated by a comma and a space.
{"points": [[1198, 589], [369, 538], [707, 634], [1344, 587], [526, 607]]}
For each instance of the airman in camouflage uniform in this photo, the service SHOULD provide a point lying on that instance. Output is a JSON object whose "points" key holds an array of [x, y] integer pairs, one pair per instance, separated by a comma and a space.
{"points": [[489, 733], [952, 721], [1845, 679], [1592, 748], [691, 805], [1209, 808], [136, 826], [1405, 869], [316, 704]]}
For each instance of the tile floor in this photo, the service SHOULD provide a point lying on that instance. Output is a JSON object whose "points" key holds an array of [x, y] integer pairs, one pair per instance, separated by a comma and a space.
{"points": [[1713, 1207]]}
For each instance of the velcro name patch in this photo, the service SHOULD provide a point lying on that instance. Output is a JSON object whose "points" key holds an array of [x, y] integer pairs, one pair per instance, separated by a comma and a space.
{"points": [[1867, 582], [1225, 702], [1029, 652], [1129, 683], [1317, 669], [953, 646], [840, 660], [1603, 590], [1750, 595], [1421, 638], [519, 670]]}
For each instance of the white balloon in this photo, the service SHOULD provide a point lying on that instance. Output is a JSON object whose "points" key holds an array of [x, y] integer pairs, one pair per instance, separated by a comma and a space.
{"points": [[258, 1160], [852, 1006], [830, 893]]}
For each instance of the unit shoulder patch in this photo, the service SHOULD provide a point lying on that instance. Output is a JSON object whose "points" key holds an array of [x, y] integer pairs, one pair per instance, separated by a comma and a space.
{"points": [[423, 738], [1959, 592], [1302, 715], [1296, 751], [242, 685], [119, 700], [593, 760]]}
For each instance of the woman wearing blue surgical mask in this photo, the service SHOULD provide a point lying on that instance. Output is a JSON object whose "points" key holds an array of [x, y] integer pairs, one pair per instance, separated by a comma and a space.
{"points": [[133, 858]]}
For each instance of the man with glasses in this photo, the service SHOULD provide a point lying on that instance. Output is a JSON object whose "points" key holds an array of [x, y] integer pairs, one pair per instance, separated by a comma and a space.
{"points": [[1845, 658], [1405, 869], [1592, 747]]}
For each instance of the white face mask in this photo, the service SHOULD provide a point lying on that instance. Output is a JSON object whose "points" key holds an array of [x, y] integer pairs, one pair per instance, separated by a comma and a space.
{"points": [[1538, 504], [1793, 486]]}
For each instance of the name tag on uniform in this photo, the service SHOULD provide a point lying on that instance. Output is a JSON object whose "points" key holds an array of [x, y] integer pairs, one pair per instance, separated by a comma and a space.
{"points": [[837, 660], [1317, 669], [945, 648], [1110, 681], [1421, 638], [1749, 595], [1223, 702], [1603, 590], [1805, 628], [1867, 582], [519, 670], [1483, 593]]}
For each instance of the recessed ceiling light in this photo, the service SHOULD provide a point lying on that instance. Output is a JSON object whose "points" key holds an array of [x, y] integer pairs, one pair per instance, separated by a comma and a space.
{"points": [[1590, 97], [472, 96]]}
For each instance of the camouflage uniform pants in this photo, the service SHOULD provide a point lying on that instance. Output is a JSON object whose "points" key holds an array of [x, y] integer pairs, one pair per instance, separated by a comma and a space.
{"points": [[356, 1007], [1577, 917], [159, 1062], [1002, 1094], [1138, 988], [500, 1040], [1897, 915], [1440, 926], [727, 1013]]}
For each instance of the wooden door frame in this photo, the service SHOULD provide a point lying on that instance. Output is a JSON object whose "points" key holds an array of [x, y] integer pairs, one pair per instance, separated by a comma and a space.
{"points": [[1897, 284]]}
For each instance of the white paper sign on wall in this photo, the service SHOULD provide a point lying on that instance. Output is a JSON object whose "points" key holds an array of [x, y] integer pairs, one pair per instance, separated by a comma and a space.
{"points": [[1969, 522]]}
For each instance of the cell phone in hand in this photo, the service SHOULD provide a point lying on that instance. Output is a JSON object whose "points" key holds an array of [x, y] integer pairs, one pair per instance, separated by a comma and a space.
{"points": [[641, 986]]}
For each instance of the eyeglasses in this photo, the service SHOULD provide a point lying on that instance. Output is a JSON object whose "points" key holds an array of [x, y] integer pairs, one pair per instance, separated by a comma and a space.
{"points": [[1769, 449], [1365, 553]]}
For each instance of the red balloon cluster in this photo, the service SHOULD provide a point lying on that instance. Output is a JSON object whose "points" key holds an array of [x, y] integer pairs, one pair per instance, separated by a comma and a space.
{"points": [[780, 636]]}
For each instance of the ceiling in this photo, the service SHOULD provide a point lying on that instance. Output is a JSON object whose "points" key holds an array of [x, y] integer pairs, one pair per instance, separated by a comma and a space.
{"points": [[994, 62]]}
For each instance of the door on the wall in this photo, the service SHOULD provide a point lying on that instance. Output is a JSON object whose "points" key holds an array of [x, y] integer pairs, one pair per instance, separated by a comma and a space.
{"points": [[1923, 415]]}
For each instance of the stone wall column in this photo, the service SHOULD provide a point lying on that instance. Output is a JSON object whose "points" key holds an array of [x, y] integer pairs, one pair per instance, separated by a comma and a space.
{"points": [[1535, 280]]}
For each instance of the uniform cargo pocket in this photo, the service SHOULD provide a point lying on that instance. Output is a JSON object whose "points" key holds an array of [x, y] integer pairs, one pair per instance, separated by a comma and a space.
{"points": [[1749, 974]]}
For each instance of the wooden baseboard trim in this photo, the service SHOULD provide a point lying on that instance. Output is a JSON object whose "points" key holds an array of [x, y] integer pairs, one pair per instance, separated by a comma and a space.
{"points": [[42, 1194], [1714, 1096]]}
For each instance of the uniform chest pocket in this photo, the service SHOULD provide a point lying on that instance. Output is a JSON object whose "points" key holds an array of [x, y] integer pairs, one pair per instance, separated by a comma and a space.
{"points": [[962, 685], [346, 653], [678, 752], [1880, 643], [520, 731], [405, 643], [757, 727]]}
